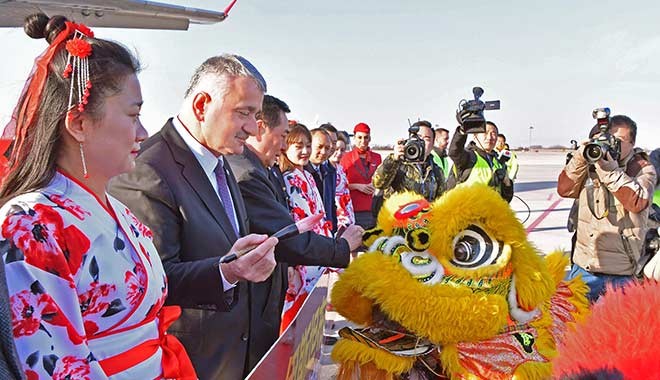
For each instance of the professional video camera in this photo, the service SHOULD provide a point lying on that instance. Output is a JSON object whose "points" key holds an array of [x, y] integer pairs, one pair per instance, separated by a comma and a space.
{"points": [[604, 142], [470, 114], [413, 148]]}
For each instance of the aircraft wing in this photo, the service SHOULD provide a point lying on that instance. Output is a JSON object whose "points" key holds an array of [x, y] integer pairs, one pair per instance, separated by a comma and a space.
{"points": [[141, 14]]}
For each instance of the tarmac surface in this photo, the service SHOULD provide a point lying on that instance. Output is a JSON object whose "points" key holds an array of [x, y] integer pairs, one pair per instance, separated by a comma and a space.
{"points": [[537, 205]]}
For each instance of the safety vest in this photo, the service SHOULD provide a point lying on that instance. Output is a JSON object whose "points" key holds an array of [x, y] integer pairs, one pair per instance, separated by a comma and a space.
{"points": [[656, 197], [443, 162], [482, 172]]}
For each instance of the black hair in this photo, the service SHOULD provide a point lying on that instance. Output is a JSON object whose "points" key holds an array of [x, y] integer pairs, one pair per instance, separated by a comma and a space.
{"points": [[328, 127], [424, 123], [493, 124], [270, 110], [628, 122]]}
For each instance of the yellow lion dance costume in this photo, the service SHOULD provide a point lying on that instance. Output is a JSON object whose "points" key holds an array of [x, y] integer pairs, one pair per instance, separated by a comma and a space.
{"points": [[453, 290]]}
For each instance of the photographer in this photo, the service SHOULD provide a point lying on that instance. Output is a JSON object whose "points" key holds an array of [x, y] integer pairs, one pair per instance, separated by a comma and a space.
{"points": [[507, 157], [479, 163], [439, 152], [614, 202], [411, 167]]}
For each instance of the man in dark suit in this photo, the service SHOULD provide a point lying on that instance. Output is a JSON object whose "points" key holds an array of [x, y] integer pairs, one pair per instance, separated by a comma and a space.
{"points": [[330, 183], [325, 175], [267, 209], [185, 191]]}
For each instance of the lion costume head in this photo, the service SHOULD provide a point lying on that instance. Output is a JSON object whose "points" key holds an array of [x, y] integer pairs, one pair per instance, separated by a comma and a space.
{"points": [[452, 289]]}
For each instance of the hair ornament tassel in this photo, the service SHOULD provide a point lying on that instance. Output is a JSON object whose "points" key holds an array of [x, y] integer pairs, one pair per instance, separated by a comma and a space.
{"points": [[77, 68]]}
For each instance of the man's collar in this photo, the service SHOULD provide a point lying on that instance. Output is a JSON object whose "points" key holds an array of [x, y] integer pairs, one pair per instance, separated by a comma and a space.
{"points": [[204, 156], [255, 152]]}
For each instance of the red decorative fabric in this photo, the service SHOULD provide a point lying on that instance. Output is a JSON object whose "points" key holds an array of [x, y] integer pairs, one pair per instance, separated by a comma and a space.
{"points": [[176, 363], [25, 112]]}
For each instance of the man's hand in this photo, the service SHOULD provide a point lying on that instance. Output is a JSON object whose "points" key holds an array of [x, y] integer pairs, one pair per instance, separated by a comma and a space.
{"points": [[254, 266], [399, 149], [607, 163], [353, 235]]}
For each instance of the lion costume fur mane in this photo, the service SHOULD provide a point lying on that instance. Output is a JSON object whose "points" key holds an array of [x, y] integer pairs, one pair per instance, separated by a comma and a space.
{"points": [[453, 289]]}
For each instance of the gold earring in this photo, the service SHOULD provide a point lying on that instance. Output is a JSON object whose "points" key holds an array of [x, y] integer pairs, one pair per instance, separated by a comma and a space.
{"points": [[84, 164]]}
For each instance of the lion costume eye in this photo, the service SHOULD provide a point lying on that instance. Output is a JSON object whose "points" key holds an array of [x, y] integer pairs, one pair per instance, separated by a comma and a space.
{"points": [[422, 266], [475, 248]]}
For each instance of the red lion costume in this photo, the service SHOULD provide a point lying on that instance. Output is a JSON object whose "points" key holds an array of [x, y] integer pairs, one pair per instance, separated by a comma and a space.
{"points": [[619, 340]]}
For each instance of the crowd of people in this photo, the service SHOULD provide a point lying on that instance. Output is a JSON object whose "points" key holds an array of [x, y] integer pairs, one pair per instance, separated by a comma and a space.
{"points": [[111, 238]]}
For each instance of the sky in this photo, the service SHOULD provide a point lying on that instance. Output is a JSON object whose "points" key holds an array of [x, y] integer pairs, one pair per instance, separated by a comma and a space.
{"points": [[386, 62]]}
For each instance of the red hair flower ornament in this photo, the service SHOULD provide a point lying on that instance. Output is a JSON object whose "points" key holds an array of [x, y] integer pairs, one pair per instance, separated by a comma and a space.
{"points": [[79, 48], [77, 68]]}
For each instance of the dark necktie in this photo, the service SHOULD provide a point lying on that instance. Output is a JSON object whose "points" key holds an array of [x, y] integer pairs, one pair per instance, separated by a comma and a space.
{"points": [[225, 195]]}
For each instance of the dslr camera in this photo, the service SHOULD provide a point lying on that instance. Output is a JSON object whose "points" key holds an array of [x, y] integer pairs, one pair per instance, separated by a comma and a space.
{"points": [[598, 146], [470, 113], [413, 147], [650, 249]]}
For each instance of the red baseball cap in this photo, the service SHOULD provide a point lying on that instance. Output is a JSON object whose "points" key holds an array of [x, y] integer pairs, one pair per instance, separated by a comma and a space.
{"points": [[362, 127]]}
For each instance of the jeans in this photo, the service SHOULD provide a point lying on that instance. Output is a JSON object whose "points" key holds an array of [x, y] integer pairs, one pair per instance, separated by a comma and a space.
{"points": [[597, 281]]}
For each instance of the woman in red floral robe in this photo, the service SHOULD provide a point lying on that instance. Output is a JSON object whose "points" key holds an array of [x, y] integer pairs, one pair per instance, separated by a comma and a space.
{"points": [[85, 282], [304, 200]]}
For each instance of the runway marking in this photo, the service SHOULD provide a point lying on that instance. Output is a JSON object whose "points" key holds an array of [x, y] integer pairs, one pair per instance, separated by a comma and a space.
{"points": [[545, 213]]}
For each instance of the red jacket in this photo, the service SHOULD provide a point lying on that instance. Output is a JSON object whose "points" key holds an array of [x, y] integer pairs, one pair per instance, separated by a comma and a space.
{"points": [[356, 172]]}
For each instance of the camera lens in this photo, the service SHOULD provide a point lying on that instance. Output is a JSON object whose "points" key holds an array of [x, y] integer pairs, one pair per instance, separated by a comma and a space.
{"points": [[412, 151], [593, 152]]}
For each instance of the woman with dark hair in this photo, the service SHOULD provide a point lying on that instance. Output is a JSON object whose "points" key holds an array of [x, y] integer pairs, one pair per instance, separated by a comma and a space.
{"points": [[86, 285], [304, 200]]}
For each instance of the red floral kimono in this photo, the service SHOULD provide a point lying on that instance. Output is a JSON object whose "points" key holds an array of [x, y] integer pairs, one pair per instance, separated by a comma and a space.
{"points": [[86, 288], [345, 214], [304, 200]]}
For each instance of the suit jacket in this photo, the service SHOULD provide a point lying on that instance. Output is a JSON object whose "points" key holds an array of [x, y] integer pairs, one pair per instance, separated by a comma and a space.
{"points": [[268, 211], [326, 183], [169, 192], [10, 365]]}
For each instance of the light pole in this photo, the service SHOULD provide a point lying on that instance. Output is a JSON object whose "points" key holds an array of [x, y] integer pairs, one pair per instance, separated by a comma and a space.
{"points": [[530, 137]]}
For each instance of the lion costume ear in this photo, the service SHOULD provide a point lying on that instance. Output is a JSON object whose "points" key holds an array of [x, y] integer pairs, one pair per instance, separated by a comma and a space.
{"points": [[534, 282], [389, 217]]}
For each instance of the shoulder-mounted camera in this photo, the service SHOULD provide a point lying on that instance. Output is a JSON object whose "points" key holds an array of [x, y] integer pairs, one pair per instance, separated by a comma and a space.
{"points": [[470, 113]]}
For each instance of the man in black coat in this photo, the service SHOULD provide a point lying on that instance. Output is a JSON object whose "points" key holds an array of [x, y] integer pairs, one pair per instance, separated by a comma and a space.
{"points": [[183, 188], [267, 210], [325, 175]]}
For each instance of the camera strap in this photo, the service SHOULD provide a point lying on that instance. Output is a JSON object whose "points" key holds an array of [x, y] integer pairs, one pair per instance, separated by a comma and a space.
{"points": [[591, 193]]}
